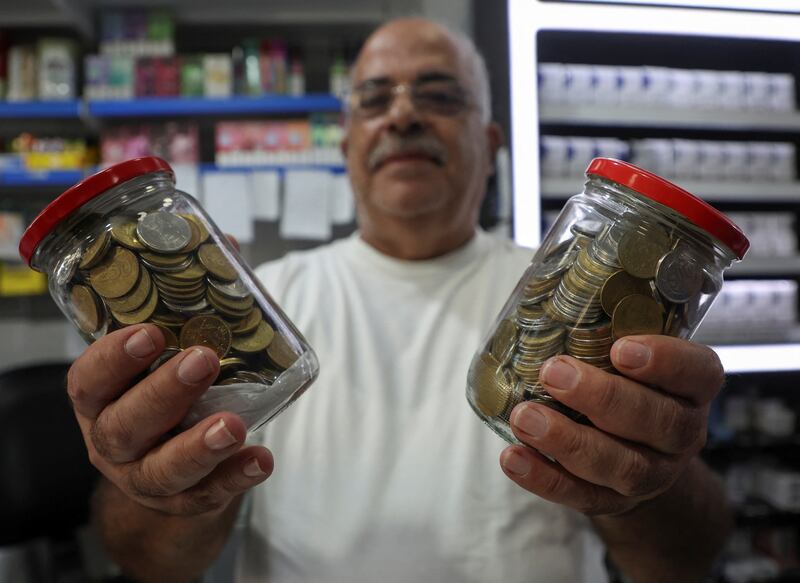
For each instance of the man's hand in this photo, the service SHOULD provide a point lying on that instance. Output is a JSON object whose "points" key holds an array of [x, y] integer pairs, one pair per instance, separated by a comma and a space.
{"points": [[126, 424], [648, 425]]}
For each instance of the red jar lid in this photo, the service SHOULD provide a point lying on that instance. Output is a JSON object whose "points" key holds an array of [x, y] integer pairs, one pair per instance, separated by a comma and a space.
{"points": [[697, 211], [80, 194]]}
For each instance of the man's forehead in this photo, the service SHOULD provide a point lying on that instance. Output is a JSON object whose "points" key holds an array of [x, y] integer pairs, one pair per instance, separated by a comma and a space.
{"points": [[408, 56]]}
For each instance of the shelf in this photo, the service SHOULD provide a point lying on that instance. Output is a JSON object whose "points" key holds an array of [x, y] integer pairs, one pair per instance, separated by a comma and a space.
{"points": [[750, 192], [766, 266], [333, 168], [194, 106], [50, 178], [40, 109], [605, 116]]}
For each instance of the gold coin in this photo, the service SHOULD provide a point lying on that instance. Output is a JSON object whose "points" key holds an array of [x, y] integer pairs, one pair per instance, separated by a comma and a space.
{"points": [[504, 338], [168, 320], [205, 330], [136, 298], [619, 285], [280, 352], [116, 275], [215, 261], [86, 308], [255, 341], [249, 323], [637, 314], [170, 339], [230, 364], [640, 252], [198, 224], [142, 314], [123, 231], [161, 260], [234, 305], [196, 237], [195, 272], [492, 389], [95, 251]]}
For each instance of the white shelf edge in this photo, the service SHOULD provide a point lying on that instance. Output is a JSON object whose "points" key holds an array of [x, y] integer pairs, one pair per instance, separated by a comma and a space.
{"points": [[759, 357], [766, 266], [750, 192], [633, 116]]}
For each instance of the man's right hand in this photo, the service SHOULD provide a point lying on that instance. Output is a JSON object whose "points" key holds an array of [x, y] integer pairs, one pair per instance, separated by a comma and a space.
{"points": [[126, 425]]}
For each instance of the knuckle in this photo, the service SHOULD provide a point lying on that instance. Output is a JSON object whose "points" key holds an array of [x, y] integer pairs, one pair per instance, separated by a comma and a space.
{"points": [[190, 460], [199, 501], [148, 481], [574, 443], [112, 436], [681, 425], [607, 397], [638, 476], [156, 400]]}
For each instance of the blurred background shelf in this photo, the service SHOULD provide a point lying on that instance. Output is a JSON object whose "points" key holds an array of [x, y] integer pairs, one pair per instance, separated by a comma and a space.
{"points": [[197, 106], [48, 178], [717, 120], [40, 109]]}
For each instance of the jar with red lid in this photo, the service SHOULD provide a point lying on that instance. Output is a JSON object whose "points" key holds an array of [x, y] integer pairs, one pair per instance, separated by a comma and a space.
{"points": [[124, 247], [631, 254]]}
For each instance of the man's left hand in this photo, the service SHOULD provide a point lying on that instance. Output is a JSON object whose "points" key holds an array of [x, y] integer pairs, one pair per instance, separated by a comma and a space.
{"points": [[647, 425]]}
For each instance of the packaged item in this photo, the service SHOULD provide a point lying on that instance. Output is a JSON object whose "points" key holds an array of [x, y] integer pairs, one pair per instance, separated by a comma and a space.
{"points": [[631, 254], [21, 73], [125, 247], [218, 70], [57, 69]]}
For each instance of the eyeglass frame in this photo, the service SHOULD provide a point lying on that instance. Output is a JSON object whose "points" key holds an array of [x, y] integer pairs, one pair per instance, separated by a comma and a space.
{"points": [[395, 89]]}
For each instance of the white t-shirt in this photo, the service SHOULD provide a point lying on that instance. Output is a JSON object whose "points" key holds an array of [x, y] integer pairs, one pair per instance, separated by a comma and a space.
{"points": [[383, 472]]}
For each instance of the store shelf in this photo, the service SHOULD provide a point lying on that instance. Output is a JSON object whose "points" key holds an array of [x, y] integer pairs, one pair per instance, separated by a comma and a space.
{"points": [[195, 106], [767, 266], [741, 191], [334, 168], [40, 109], [718, 120], [54, 178]]}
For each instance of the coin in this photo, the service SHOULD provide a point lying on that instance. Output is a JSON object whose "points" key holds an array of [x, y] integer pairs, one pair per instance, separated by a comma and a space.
{"points": [[164, 232], [637, 314], [170, 339], [256, 341], [206, 330], [619, 285], [142, 314], [235, 291], [679, 277], [280, 352], [116, 275], [249, 322], [504, 338], [86, 309], [197, 222], [123, 231], [492, 391], [216, 263], [162, 359], [95, 251], [134, 299], [640, 251]]}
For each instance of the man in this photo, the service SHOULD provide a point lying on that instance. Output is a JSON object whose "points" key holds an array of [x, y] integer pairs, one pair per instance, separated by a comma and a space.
{"points": [[385, 474]]}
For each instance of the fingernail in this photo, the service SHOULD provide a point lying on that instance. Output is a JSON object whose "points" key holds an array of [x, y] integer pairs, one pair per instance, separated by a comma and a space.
{"points": [[253, 470], [218, 436], [559, 374], [530, 421], [516, 464], [632, 354], [194, 367], [140, 344]]}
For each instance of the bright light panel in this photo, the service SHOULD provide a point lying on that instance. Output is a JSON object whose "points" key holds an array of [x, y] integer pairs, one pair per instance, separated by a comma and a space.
{"points": [[759, 358], [759, 6], [527, 17]]}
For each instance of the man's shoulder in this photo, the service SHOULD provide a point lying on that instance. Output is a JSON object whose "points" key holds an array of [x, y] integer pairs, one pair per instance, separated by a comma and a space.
{"points": [[295, 263], [502, 245]]}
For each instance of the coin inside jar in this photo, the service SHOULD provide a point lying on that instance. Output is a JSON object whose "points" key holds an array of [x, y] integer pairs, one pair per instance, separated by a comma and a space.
{"points": [[116, 275], [637, 314], [164, 232], [86, 309], [214, 260], [211, 331]]}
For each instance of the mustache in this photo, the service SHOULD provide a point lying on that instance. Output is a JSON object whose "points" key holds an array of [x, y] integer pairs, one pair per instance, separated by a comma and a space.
{"points": [[397, 145]]}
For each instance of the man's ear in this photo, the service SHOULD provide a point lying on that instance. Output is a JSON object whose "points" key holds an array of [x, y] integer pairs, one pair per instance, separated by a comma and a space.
{"points": [[495, 137]]}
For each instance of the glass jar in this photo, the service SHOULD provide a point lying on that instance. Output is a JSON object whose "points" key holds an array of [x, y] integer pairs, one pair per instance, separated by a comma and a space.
{"points": [[124, 247], [631, 254]]}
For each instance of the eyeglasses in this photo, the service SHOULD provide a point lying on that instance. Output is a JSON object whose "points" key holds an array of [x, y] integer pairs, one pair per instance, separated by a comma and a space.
{"points": [[373, 99]]}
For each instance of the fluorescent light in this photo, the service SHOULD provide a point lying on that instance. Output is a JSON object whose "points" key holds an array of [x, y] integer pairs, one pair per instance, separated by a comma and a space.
{"points": [[759, 6], [759, 358]]}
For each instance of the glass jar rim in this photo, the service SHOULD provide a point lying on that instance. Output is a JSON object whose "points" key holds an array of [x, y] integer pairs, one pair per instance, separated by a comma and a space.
{"points": [[78, 195], [695, 210]]}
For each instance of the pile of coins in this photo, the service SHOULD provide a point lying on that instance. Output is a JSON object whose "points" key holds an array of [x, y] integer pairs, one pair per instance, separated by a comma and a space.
{"points": [[163, 268], [607, 281]]}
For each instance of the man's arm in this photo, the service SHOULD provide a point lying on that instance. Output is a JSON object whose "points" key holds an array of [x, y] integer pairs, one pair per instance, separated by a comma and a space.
{"points": [[166, 506], [635, 470], [177, 549]]}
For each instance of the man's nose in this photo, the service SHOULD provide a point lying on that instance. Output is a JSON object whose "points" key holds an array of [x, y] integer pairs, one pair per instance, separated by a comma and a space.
{"points": [[403, 116]]}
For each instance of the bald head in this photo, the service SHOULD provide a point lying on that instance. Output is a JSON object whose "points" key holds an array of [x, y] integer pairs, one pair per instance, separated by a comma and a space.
{"points": [[426, 33]]}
